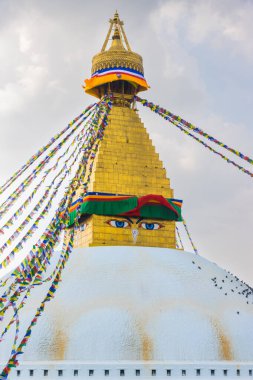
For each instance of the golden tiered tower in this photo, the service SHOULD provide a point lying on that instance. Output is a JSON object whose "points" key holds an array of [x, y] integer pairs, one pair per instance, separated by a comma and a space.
{"points": [[126, 162]]}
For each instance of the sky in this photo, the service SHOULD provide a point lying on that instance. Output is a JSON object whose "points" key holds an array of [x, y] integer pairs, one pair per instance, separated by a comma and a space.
{"points": [[198, 59]]}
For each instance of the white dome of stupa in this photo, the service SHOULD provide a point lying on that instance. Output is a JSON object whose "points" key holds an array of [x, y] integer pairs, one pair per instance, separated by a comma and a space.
{"points": [[140, 303]]}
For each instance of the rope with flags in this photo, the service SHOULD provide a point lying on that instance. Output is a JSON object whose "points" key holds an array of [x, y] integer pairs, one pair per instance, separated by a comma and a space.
{"points": [[4, 207], [14, 346], [13, 360], [30, 271], [54, 167], [65, 169], [190, 238], [82, 136], [42, 150], [179, 238], [182, 124], [82, 167], [75, 155]]}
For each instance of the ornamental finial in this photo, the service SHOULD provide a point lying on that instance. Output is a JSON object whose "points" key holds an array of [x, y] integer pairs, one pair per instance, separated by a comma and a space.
{"points": [[116, 27], [118, 63], [116, 16]]}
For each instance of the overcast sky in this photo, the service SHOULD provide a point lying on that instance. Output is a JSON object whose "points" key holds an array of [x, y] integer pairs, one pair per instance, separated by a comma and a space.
{"points": [[198, 57]]}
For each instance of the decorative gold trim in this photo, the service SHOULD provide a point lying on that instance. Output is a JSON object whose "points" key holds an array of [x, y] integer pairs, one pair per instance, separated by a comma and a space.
{"points": [[117, 58]]}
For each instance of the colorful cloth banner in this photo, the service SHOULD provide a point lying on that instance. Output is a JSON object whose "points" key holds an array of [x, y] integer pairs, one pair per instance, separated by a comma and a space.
{"points": [[112, 74], [149, 206]]}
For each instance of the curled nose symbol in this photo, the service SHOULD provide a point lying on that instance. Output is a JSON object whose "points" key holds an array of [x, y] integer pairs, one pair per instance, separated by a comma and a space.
{"points": [[135, 234]]}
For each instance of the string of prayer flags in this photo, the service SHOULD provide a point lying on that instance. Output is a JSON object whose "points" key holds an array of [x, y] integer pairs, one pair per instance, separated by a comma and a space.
{"points": [[17, 309], [42, 150], [28, 180], [179, 237], [182, 124], [30, 271], [31, 231], [34, 227], [66, 169], [189, 236], [13, 361], [13, 349]]}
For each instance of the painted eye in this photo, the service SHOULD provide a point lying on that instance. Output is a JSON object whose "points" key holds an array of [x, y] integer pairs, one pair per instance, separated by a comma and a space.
{"points": [[83, 227], [151, 226], [118, 223]]}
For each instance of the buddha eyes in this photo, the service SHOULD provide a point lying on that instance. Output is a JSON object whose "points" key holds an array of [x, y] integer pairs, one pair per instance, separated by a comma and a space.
{"points": [[119, 223], [151, 226], [126, 224], [82, 227]]}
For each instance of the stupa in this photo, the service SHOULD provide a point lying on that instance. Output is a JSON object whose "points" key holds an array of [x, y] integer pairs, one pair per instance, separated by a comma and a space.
{"points": [[130, 304]]}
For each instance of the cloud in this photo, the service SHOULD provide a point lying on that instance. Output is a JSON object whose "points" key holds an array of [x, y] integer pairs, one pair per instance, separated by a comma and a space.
{"points": [[25, 40], [29, 80], [25, 70], [221, 25]]}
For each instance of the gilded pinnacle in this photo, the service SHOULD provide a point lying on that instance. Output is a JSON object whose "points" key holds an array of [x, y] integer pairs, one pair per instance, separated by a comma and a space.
{"points": [[116, 63], [116, 17]]}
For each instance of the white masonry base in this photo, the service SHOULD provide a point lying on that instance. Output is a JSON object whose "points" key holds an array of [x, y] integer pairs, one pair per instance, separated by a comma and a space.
{"points": [[131, 369]]}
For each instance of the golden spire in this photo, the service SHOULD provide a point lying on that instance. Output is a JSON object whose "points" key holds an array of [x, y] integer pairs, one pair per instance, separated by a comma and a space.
{"points": [[116, 40], [116, 63], [119, 34], [126, 161]]}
